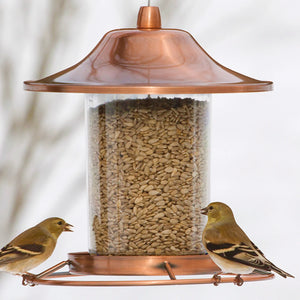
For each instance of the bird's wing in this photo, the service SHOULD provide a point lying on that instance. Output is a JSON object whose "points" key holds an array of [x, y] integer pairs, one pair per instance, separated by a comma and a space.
{"points": [[248, 255], [231, 242], [11, 253]]}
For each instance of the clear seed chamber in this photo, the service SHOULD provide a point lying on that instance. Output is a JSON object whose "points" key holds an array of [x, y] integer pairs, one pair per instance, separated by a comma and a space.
{"points": [[148, 163]]}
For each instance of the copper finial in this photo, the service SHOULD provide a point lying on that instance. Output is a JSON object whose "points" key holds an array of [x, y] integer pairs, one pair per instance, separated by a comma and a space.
{"points": [[149, 18]]}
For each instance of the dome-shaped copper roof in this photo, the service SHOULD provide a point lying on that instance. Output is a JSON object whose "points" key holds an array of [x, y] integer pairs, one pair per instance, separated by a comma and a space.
{"points": [[148, 60]]}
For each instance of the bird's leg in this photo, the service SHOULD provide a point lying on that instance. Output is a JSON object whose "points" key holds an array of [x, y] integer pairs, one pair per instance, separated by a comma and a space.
{"points": [[217, 278], [238, 280]]}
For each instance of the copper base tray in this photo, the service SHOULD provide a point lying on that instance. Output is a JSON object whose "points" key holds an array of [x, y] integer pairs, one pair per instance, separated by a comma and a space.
{"points": [[82, 263]]}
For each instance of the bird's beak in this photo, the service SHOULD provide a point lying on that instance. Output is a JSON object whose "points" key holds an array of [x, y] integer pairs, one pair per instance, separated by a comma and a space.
{"points": [[204, 211], [68, 227]]}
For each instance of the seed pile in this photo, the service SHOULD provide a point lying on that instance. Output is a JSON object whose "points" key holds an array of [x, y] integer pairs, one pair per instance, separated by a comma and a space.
{"points": [[148, 176]]}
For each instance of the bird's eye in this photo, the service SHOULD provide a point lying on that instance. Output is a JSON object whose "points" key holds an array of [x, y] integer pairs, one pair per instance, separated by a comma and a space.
{"points": [[210, 208], [59, 222]]}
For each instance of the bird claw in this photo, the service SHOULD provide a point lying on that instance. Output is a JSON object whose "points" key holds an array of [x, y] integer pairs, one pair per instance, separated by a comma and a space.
{"points": [[27, 280], [238, 280], [217, 279]]}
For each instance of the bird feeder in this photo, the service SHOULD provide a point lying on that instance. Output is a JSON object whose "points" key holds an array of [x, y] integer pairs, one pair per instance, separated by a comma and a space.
{"points": [[148, 93]]}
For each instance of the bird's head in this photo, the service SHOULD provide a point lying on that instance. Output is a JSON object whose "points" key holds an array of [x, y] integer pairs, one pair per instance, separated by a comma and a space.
{"points": [[217, 211], [56, 226]]}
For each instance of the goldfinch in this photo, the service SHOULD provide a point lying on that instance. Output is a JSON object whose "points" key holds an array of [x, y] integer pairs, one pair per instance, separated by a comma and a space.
{"points": [[230, 248], [32, 247]]}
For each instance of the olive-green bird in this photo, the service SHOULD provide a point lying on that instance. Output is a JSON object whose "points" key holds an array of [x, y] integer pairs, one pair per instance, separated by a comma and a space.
{"points": [[32, 247], [230, 248]]}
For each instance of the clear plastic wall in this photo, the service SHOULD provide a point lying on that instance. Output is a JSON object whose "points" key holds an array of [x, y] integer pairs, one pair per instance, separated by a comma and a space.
{"points": [[148, 173]]}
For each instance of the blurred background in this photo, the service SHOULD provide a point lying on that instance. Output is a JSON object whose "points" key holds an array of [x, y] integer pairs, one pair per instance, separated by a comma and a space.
{"points": [[255, 138]]}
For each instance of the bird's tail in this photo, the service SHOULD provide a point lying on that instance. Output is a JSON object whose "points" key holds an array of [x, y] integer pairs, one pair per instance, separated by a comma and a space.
{"points": [[281, 272]]}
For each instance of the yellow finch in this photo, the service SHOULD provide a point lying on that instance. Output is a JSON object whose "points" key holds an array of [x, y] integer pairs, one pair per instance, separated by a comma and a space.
{"points": [[32, 247], [230, 248]]}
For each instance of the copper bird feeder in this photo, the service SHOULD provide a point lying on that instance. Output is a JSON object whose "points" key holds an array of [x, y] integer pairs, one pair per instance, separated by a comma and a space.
{"points": [[148, 93]]}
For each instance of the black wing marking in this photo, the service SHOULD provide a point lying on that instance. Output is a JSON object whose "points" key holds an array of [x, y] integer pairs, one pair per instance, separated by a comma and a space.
{"points": [[240, 253], [228, 250], [219, 247], [28, 249], [12, 253]]}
